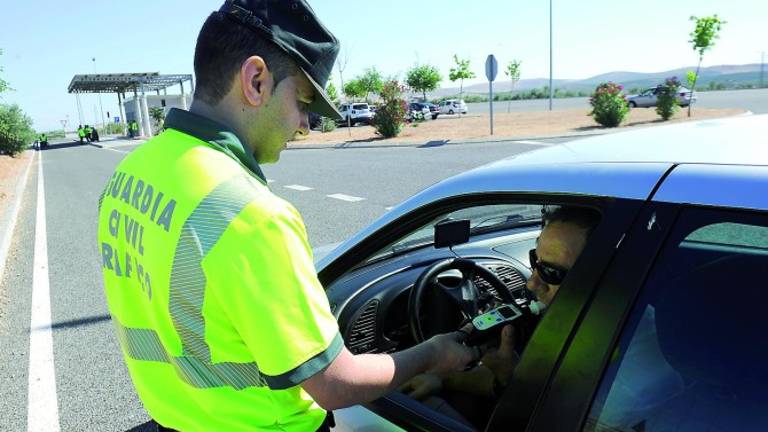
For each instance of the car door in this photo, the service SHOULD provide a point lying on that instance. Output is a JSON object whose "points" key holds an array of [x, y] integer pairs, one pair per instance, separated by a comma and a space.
{"points": [[551, 335], [674, 339], [644, 99]]}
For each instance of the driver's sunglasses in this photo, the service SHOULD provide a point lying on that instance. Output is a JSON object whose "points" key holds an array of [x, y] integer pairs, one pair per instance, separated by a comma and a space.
{"points": [[547, 272]]}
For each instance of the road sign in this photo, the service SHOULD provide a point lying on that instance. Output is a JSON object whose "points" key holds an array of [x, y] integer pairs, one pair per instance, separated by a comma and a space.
{"points": [[117, 119], [491, 68]]}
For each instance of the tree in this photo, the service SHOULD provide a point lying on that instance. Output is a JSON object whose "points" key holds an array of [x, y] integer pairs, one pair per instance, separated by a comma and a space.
{"points": [[513, 72], [3, 84], [423, 79], [460, 72], [371, 82], [353, 89], [330, 90], [341, 63], [703, 38], [15, 130]]}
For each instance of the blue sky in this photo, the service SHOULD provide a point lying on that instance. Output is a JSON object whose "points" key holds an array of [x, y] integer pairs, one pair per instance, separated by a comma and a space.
{"points": [[46, 42]]}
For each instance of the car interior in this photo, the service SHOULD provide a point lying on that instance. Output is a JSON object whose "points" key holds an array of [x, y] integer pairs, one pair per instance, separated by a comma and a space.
{"points": [[462, 263]]}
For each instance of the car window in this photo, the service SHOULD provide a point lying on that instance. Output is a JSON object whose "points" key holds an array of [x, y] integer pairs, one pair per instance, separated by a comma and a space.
{"points": [[692, 355], [360, 106], [482, 218]]}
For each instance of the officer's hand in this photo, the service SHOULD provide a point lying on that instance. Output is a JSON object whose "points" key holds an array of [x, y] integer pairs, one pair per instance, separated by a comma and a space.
{"points": [[449, 354], [422, 386], [502, 360]]}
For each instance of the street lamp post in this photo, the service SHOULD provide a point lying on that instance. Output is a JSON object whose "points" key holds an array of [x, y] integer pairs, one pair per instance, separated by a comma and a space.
{"points": [[101, 107]]}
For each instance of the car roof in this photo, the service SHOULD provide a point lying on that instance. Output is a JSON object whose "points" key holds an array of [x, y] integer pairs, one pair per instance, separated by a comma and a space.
{"points": [[741, 140]]}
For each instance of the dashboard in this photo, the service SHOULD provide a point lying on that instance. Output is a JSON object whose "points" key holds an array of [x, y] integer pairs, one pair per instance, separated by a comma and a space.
{"points": [[371, 301]]}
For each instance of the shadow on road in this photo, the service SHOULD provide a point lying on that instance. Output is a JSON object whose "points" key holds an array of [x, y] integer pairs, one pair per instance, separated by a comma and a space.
{"points": [[434, 143], [60, 146], [78, 322], [149, 426]]}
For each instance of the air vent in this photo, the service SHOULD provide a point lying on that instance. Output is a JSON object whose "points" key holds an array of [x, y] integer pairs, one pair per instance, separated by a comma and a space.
{"points": [[362, 336], [511, 278]]}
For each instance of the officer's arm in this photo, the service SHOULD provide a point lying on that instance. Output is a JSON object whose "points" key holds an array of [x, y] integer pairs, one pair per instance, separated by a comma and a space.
{"points": [[352, 379]]}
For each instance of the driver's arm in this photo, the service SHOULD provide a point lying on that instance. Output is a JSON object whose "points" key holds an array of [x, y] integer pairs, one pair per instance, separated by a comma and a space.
{"points": [[352, 379]]}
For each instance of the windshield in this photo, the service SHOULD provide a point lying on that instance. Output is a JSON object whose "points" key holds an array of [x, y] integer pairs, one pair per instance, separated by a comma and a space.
{"points": [[482, 219], [360, 106]]}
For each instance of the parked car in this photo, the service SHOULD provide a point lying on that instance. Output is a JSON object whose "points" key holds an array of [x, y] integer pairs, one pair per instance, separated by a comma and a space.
{"points": [[649, 98], [453, 106], [418, 109], [356, 113], [659, 325], [434, 110]]}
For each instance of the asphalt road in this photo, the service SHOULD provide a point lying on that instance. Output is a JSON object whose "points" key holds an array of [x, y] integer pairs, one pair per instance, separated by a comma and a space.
{"points": [[93, 390], [753, 100]]}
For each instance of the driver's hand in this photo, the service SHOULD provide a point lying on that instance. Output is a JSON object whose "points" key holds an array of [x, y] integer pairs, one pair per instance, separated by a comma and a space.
{"points": [[502, 360], [449, 354], [422, 386]]}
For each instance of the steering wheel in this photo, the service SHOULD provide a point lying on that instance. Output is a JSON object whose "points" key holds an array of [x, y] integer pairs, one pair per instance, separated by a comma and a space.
{"points": [[466, 295]]}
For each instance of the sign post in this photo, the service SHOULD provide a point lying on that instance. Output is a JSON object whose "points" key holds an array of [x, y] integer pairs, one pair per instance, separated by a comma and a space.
{"points": [[491, 69]]}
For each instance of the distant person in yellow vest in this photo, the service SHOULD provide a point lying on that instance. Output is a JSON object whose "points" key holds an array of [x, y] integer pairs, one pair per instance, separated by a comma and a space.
{"points": [[208, 275], [81, 133], [87, 129], [42, 140]]}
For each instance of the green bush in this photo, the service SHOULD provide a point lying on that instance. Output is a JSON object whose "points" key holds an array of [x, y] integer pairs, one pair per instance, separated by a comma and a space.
{"points": [[111, 129], [327, 125], [390, 116], [609, 104], [667, 104], [16, 132], [54, 134]]}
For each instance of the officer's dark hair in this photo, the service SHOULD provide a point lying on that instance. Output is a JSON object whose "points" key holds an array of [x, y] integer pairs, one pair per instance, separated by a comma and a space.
{"points": [[583, 217], [222, 46]]}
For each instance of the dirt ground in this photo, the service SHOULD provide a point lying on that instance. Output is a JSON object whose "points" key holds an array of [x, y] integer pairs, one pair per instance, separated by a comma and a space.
{"points": [[10, 171], [522, 124]]}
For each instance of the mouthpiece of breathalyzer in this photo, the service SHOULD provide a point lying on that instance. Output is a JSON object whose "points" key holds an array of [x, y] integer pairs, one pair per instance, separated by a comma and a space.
{"points": [[536, 307]]}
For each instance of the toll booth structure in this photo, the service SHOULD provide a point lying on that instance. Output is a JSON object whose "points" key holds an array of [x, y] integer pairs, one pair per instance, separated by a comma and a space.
{"points": [[139, 84]]}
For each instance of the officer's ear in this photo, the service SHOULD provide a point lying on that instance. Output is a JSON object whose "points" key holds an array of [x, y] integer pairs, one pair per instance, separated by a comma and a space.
{"points": [[256, 81]]}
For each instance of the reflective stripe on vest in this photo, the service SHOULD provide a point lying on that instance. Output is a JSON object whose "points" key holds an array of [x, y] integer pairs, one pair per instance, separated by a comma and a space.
{"points": [[199, 234]]}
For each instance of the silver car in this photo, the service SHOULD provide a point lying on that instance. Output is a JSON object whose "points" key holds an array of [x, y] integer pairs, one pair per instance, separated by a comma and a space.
{"points": [[649, 98], [659, 325]]}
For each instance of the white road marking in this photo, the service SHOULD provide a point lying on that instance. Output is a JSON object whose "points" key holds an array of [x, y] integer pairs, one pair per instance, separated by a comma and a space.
{"points": [[270, 181], [298, 188], [42, 404], [116, 150], [388, 208], [533, 143], [347, 198]]}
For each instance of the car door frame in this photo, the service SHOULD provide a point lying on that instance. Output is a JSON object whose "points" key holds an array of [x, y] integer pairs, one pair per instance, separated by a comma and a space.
{"points": [[571, 392]]}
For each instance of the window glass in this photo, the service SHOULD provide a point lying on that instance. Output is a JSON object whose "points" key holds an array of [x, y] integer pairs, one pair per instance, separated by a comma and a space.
{"points": [[481, 218], [692, 355], [360, 106]]}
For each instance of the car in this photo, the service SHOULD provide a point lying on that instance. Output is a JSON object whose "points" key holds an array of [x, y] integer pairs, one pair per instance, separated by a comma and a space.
{"points": [[433, 109], [453, 106], [418, 110], [355, 113], [649, 97], [660, 323]]}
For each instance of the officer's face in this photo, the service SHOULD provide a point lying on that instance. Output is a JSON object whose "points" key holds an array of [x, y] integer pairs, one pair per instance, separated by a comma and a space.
{"points": [[283, 117]]}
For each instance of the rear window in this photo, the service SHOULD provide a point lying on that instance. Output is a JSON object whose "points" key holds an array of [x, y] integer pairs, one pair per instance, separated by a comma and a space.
{"points": [[360, 106]]}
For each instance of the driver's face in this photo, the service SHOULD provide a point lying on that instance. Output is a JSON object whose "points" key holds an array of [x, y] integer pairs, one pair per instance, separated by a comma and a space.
{"points": [[559, 244]]}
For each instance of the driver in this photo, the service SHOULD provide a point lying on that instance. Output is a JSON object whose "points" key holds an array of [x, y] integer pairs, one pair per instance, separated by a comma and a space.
{"points": [[562, 239]]}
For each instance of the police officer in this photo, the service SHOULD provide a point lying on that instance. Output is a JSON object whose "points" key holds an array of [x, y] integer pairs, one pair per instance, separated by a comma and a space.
{"points": [[43, 140], [208, 275], [80, 133]]}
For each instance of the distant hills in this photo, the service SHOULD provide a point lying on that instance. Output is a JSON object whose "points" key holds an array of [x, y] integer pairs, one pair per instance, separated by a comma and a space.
{"points": [[728, 76]]}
